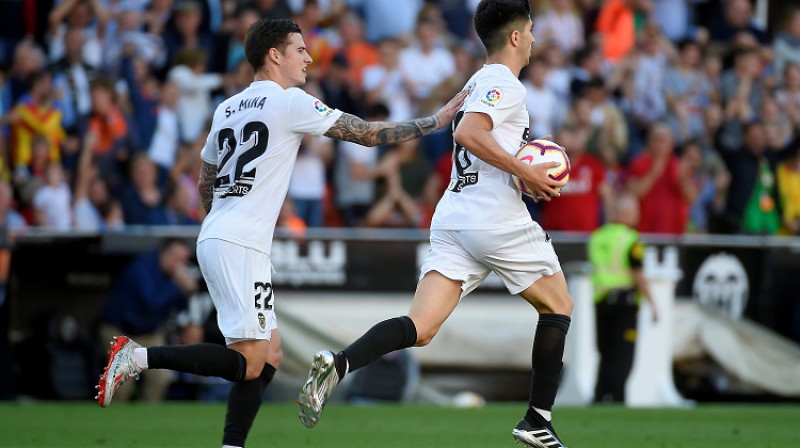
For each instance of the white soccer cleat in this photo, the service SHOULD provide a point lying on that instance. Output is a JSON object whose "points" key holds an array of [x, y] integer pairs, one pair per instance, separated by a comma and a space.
{"points": [[536, 437], [120, 368], [322, 380]]}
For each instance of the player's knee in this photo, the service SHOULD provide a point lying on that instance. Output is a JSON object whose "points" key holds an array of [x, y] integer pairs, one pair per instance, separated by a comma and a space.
{"points": [[424, 337], [253, 370], [274, 357], [564, 305]]}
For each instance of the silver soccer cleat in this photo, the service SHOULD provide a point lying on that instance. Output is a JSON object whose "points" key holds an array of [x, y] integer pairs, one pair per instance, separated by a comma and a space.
{"points": [[120, 368], [322, 380], [536, 437]]}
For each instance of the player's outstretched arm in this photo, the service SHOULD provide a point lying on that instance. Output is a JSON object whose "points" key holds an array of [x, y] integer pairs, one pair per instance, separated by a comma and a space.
{"points": [[205, 184], [354, 129]]}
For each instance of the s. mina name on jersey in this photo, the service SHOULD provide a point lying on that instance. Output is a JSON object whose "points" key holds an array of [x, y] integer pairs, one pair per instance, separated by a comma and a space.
{"points": [[247, 103]]}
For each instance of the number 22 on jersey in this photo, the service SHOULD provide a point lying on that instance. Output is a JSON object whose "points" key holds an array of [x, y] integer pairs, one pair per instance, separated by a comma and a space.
{"points": [[234, 154]]}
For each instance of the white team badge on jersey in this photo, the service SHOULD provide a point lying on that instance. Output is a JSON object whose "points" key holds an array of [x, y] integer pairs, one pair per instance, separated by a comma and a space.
{"points": [[492, 97], [322, 108]]}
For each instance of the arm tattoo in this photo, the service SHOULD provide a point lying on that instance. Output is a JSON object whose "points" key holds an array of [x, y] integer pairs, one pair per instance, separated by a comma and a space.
{"points": [[205, 184], [354, 129]]}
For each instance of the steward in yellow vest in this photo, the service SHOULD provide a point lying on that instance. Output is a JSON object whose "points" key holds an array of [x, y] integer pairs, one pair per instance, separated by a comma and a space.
{"points": [[616, 254]]}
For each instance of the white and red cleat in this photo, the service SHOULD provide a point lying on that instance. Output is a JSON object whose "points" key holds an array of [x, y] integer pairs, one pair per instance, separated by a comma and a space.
{"points": [[120, 368]]}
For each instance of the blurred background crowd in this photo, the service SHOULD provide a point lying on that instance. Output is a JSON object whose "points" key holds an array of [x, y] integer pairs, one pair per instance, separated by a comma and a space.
{"points": [[693, 106]]}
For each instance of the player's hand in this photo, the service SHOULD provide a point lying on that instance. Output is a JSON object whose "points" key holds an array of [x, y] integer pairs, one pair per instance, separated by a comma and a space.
{"points": [[541, 185], [448, 111]]}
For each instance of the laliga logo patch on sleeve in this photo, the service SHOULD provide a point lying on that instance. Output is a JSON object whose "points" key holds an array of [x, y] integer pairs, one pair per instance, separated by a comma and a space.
{"points": [[322, 109], [492, 97]]}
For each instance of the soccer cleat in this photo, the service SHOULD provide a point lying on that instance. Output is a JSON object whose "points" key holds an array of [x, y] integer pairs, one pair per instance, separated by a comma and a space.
{"points": [[120, 368], [536, 436], [322, 380]]}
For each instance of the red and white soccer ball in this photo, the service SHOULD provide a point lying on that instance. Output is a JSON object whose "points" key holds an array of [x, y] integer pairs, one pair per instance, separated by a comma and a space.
{"points": [[541, 151]]}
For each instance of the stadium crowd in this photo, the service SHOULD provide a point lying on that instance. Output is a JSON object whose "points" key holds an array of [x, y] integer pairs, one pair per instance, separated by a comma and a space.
{"points": [[693, 106]]}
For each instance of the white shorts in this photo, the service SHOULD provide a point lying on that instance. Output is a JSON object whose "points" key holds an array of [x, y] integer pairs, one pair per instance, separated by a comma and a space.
{"points": [[520, 255], [239, 281]]}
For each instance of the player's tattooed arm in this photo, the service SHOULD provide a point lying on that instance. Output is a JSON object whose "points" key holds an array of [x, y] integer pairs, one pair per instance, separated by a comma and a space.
{"points": [[357, 130], [353, 129], [205, 184]]}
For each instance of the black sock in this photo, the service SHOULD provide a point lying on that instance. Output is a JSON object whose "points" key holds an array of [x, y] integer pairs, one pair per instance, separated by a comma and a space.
{"points": [[387, 336], [201, 359], [243, 404], [548, 351]]}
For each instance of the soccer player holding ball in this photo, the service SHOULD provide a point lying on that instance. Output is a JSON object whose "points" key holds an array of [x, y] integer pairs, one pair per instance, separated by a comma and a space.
{"points": [[247, 161], [480, 225]]}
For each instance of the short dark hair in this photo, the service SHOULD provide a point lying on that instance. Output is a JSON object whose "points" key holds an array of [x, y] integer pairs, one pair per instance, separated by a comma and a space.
{"points": [[266, 34], [492, 20]]}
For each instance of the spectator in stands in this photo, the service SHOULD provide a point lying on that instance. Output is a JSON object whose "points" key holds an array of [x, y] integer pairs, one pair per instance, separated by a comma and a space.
{"points": [[691, 157], [651, 57], [752, 198], [87, 15], [788, 93], [142, 200], [777, 125], [129, 32], [230, 46], [273, 8], [788, 174], [72, 75], [672, 17], [355, 174], [166, 142], [358, 53], [687, 92], [390, 19], [617, 28], [662, 183], [611, 128], [558, 78], [152, 286], [561, 25], [187, 34], [742, 93], [157, 15], [142, 91], [177, 205], [426, 51], [588, 66], [318, 44], [583, 200], [35, 116], [407, 199], [384, 82], [542, 102], [92, 205], [52, 201], [786, 47], [194, 104], [337, 88], [10, 220], [107, 134], [28, 59], [307, 186], [738, 17]]}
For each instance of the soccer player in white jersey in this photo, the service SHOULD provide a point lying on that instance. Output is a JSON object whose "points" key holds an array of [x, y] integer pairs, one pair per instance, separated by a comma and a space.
{"points": [[247, 162], [480, 225]]}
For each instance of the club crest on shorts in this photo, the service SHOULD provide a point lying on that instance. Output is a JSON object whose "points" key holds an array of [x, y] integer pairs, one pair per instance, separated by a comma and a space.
{"points": [[262, 320], [492, 97], [322, 109]]}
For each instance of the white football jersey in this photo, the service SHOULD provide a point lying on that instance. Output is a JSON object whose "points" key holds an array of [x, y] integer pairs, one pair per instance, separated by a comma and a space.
{"points": [[481, 196], [254, 139]]}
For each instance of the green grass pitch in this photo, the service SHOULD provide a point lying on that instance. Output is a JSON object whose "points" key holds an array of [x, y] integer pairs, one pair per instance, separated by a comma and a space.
{"points": [[65, 425]]}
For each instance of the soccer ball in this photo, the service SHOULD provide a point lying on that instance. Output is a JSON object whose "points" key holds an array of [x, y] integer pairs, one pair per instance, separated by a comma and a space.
{"points": [[541, 151]]}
